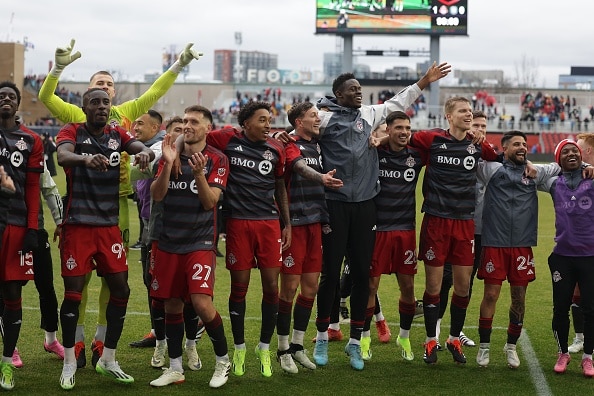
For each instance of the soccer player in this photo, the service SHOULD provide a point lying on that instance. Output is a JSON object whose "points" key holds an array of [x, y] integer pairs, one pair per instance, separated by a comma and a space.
{"points": [[345, 132], [148, 130], [302, 261], [509, 229], [254, 200], [22, 160], [90, 154], [185, 257], [123, 115], [395, 243], [571, 263], [585, 142], [447, 231], [478, 126]]}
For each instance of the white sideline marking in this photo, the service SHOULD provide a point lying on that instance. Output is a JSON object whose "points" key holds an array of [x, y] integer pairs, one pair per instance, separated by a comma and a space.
{"points": [[536, 374]]}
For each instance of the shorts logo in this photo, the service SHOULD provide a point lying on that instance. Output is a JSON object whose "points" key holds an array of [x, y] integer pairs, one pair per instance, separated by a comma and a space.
{"points": [[118, 249], [489, 267], [430, 254], [231, 259], [71, 263], [155, 285], [326, 229], [556, 276], [289, 261]]}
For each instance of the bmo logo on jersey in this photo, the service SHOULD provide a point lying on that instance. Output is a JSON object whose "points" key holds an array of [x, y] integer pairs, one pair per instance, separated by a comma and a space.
{"points": [[114, 159], [408, 175], [467, 162]]}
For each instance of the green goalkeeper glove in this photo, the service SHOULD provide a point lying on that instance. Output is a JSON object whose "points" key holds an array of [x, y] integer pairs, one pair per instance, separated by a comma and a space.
{"points": [[185, 57], [64, 57]]}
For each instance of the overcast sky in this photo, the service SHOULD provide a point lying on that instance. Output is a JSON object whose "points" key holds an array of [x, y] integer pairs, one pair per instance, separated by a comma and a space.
{"points": [[129, 36]]}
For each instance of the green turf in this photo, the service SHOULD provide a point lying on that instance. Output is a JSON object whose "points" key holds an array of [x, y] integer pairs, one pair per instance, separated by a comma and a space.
{"points": [[385, 374]]}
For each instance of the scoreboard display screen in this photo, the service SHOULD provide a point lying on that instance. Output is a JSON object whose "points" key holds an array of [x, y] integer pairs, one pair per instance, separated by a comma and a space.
{"points": [[423, 17]]}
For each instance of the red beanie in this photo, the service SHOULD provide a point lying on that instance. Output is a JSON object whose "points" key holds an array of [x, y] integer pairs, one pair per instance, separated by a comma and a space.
{"points": [[562, 144]]}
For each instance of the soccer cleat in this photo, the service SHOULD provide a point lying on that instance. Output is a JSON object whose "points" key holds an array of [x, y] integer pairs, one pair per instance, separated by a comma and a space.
{"points": [[366, 348], [148, 341], [158, 358], [194, 362], [299, 356], [97, 349], [333, 335], [79, 354], [430, 354], [587, 367], [17, 362], [286, 361], [344, 314], [455, 348], [383, 331], [466, 341], [136, 246], [221, 374], [265, 363], [238, 364], [562, 361], [418, 309], [169, 377], [113, 370], [55, 348], [577, 346], [513, 361], [320, 354], [6, 377], [439, 347], [353, 351], [482, 358], [404, 343], [67, 379]]}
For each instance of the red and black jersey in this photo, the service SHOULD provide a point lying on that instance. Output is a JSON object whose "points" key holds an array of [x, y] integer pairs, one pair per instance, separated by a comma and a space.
{"points": [[21, 154], [253, 170], [398, 175], [92, 197], [450, 177], [307, 202], [186, 225]]}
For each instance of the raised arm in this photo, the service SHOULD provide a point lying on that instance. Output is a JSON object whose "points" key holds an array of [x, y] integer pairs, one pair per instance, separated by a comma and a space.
{"points": [[65, 112], [134, 108]]}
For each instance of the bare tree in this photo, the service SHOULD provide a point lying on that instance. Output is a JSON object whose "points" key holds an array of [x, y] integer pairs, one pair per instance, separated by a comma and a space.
{"points": [[526, 72]]}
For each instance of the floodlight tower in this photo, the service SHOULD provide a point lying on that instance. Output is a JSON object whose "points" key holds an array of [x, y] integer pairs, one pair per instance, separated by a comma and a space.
{"points": [[238, 40]]}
